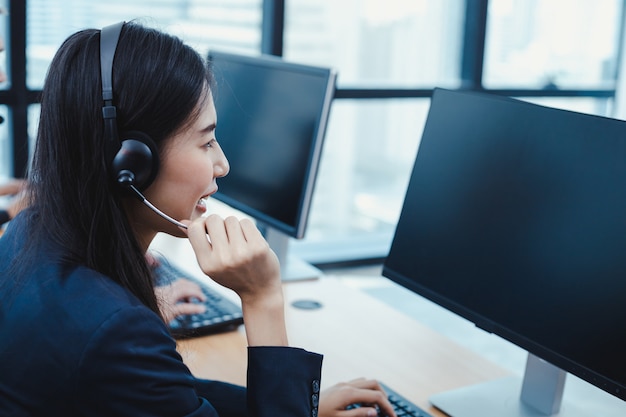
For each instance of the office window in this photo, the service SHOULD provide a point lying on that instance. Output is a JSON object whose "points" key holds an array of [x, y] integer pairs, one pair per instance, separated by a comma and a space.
{"points": [[381, 44], [556, 44], [364, 170], [371, 144], [560, 53], [234, 25]]}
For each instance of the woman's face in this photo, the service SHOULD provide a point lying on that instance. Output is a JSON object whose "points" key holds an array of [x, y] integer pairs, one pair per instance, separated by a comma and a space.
{"points": [[191, 162]]}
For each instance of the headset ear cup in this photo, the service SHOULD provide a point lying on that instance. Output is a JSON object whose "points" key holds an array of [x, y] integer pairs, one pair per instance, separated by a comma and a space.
{"points": [[137, 161]]}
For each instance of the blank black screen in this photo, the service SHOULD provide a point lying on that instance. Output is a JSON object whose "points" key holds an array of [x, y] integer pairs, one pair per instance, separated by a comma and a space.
{"points": [[271, 119], [515, 218]]}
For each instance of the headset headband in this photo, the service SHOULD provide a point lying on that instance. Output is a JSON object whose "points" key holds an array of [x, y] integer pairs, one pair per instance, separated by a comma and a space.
{"points": [[109, 36]]}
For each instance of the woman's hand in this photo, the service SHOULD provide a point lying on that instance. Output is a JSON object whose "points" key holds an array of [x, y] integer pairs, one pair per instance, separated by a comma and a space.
{"points": [[365, 392], [19, 203], [12, 187], [235, 255], [16, 188], [177, 299]]}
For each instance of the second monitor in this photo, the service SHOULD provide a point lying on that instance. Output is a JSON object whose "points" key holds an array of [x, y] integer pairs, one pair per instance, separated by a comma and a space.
{"points": [[514, 218], [272, 118]]}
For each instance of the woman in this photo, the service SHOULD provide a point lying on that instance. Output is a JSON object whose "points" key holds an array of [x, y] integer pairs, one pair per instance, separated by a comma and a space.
{"points": [[80, 328]]}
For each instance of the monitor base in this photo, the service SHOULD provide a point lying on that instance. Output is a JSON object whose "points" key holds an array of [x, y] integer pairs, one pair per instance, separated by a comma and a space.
{"points": [[296, 269], [291, 267]]}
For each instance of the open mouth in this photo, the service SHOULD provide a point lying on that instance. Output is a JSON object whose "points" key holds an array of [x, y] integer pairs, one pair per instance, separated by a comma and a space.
{"points": [[201, 204]]}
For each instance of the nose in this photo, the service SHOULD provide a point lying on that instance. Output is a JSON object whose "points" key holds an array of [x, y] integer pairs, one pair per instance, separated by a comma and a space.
{"points": [[221, 166]]}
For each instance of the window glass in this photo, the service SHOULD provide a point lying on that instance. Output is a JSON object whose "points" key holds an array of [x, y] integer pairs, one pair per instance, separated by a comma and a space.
{"points": [[33, 124], [589, 105], [5, 44], [552, 44], [370, 144], [6, 146], [234, 25], [381, 44], [366, 162]]}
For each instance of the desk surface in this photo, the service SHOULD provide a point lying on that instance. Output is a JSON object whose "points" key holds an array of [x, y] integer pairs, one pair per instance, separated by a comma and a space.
{"points": [[360, 337]]}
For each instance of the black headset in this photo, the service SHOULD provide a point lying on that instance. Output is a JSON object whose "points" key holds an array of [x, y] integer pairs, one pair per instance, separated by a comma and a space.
{"points": [[132, 156]]}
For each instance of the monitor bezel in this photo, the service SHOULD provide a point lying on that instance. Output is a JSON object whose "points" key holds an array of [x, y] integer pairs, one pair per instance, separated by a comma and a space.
{"points": [[298, 229]]}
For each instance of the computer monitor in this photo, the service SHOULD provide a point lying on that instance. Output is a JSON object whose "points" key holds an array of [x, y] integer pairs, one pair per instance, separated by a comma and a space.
{"points": [[515, 219], [271, 123]]}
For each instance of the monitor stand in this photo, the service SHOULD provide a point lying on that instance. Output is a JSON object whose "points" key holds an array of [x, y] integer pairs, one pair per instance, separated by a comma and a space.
{"points": [[538, 395], [291, 267]]}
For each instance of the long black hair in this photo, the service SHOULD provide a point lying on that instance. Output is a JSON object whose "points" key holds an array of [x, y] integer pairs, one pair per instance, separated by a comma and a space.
{"points": [[158, 82]]}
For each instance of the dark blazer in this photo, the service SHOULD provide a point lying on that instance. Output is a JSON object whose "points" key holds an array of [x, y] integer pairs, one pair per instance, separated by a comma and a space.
{"points": [[74, 343]]}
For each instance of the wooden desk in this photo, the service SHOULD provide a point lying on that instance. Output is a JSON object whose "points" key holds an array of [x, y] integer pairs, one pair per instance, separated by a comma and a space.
{"points": [[359, 336]]}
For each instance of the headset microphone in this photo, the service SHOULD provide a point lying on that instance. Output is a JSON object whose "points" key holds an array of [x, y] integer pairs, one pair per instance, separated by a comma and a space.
{"points": [[154, 209]]}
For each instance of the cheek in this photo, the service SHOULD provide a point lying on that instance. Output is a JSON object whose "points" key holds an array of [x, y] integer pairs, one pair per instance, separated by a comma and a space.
{"points": [[204, 164], [188, 176]]}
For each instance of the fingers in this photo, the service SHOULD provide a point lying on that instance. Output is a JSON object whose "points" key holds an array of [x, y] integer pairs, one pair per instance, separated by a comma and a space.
{"points": [[171, 311], [179, 291], [152, 260], [234, 231], [223, 236], [202, 246], [185, 309], [237, 257], [175, 299], [375, 397], [373, 393], [237, 234], [363, 411], [366, 394], [234, 244], [182, 290], [224, 231], [251, 233], [12, 187], [365, 384]]}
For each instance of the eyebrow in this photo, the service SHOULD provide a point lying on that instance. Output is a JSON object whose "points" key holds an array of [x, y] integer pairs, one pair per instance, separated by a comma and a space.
{"points": [[209, 128]]}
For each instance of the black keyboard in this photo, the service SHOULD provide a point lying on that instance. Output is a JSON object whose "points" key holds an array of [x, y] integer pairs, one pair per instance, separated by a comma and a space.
{"points": [[402, 406], [221, 314]]}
